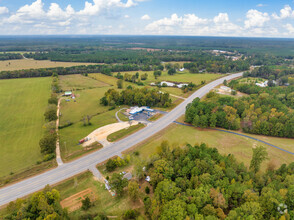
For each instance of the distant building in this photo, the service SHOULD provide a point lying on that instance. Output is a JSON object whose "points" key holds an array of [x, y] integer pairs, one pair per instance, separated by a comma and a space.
{"points": [[169, 84], [182, 85], [68, 93], [182, 69], [264, 84]]}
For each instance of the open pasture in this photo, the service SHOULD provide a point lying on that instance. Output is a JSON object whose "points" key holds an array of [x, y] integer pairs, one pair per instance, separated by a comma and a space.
{"points": [[22, 106]]}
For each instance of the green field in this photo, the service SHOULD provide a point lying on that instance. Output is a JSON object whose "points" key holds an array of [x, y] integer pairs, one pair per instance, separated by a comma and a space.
{"points": [[226, 143], [22, 106]]}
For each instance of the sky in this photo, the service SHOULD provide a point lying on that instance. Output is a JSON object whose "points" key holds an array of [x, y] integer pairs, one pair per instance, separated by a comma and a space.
{"points": [[238, 18]]}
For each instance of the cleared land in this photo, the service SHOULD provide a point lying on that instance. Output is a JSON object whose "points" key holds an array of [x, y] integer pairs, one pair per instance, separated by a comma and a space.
{"points": [[35, 64], [104, 201], [22, 106], [241, 147]]}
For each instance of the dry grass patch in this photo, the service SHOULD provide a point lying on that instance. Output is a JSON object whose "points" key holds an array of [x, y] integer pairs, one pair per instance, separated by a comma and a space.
{"points": [[10, 65]]}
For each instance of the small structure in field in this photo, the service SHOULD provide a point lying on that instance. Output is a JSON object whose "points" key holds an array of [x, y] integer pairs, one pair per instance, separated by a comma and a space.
{"points": [[68, 93], [182, 69], [128, 176], [226, 89]]}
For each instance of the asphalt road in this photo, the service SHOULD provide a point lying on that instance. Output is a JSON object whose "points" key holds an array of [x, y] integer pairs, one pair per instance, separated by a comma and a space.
{"points": [[33, 184]]}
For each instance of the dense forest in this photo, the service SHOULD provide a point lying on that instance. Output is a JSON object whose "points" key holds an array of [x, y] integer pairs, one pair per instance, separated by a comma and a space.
{"points": [[132, 96], [257, 114], [247, 46], [199, 183]]}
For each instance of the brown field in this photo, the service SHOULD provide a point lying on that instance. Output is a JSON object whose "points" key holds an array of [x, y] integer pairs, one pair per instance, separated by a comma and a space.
{"points": [[142, 48], [10, 65], [74, 202]]}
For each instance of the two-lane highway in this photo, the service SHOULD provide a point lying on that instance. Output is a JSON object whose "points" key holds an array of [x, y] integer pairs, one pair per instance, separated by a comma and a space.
{"points": [[33, 184]]}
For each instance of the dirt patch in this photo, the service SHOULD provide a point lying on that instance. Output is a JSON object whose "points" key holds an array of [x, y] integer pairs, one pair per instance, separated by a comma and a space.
{"points": [[103, 132], [74, 202]]}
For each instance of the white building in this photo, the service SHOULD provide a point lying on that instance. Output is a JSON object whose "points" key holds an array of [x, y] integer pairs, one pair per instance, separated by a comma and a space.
{"points": [[135, 110], [182, 85], [264, 84], [169, 84], [182, 69]]}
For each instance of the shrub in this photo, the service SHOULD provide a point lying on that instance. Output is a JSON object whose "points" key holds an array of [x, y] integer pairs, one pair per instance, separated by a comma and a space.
{"points": [[86, 203], [147, 190], [110, 165], [130, 214]]}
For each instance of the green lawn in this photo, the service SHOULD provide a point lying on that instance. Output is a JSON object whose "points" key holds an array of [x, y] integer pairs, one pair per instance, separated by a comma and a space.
{"points": [[22, 106], [124, 132], [226, 143]]}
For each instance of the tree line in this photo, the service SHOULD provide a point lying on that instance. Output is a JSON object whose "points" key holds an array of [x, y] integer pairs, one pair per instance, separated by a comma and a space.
{"points": [[256, 114], [48, 142], [133, 96], [10, 56]]}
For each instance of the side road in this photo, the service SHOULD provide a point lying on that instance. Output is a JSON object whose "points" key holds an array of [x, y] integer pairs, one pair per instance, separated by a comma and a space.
{"points": [[33, 184]]}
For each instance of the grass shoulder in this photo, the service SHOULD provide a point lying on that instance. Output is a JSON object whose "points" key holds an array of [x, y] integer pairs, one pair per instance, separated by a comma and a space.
{"points": [[124, 132]]}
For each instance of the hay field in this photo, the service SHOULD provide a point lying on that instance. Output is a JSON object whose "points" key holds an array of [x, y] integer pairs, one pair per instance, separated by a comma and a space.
{"points": [[22, 106], [9, 65]]}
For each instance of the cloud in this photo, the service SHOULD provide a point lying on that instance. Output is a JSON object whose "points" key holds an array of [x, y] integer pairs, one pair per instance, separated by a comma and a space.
{"points": [[3, 10], [221, 18], [145, 17], [290, 28], [191, 24], [186, 21], [126, 16], [261, 5], [99, 5], [56, 13], [256, 18], [285, 12]]}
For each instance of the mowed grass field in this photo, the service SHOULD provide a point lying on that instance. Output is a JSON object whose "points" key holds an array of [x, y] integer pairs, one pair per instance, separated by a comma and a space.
{"points": [[22, 106], [241, 147], [78, 82], [9, 65]]}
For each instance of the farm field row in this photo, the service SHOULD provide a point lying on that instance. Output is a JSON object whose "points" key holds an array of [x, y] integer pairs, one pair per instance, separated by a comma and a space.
{"points": [[22, 106]]}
